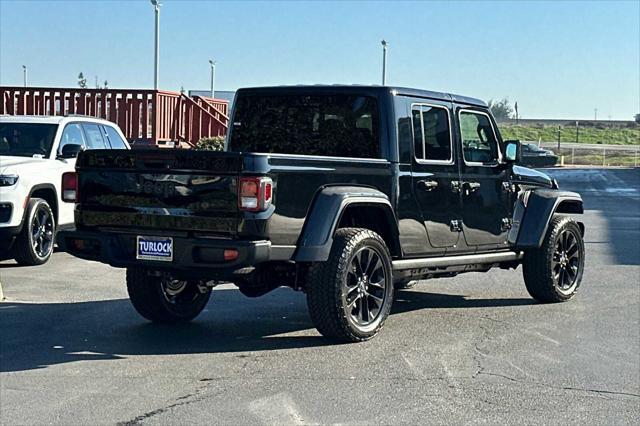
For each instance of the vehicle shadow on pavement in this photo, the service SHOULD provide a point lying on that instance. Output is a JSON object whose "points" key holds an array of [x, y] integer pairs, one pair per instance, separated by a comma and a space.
{"points": [[411, 300], [37, 335]]}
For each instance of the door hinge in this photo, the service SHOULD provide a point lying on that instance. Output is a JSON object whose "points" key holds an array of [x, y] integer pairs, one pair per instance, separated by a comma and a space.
{"points": [[507, 223], [456, 225]]}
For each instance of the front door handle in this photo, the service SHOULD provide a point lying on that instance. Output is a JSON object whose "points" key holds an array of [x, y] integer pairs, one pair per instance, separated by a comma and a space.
{"points": [[427, 185], [471, 186]]}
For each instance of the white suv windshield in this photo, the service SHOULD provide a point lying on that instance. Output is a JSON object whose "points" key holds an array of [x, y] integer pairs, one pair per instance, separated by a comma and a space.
{"points": [[26, 139]]}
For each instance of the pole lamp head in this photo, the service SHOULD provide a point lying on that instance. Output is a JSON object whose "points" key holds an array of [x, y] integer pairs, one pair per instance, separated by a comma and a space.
{"points": [[24, 67], [385, 43], [212, 62], [156, 3]]}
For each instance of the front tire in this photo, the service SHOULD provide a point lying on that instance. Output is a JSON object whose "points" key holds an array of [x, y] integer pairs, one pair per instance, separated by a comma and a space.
{"points": [[553, 272], [34, 244], [349, 296], [160, 298]]}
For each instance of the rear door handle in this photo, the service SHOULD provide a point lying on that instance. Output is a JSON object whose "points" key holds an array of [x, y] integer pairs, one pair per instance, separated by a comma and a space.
{"points": [[427, 185]]}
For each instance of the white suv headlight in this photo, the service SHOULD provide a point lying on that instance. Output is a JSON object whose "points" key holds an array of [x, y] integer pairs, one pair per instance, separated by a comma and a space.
{"points": [[8, 180]]}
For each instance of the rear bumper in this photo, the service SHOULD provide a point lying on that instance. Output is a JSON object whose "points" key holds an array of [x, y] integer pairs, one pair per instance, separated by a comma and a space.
{"points": [[201, 257]]}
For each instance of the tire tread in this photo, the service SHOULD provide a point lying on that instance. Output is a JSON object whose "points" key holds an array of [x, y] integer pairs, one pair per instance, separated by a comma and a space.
{"points": [[536, 265], [324, 287], [146, 298], [22, 249]]}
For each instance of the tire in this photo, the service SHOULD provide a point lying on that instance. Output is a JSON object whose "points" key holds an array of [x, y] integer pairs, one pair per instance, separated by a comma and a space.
{"points": [[553, 272], [347, 303], [34, 244], [165, 300]]}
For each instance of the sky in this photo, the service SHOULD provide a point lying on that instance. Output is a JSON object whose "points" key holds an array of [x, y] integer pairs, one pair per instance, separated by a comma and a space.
{"points": [[559, 59]]}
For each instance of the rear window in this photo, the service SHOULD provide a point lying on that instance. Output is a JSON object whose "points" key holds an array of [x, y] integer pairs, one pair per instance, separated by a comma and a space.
{"points": [[94, 136], [328, 125]]}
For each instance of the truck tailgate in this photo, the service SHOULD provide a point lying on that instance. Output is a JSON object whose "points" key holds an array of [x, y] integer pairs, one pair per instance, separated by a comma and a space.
{"points": [[172, 190]]}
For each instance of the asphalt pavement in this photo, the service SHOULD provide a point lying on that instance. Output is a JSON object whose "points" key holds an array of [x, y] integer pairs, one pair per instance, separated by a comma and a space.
{"points": [[470, 349]]}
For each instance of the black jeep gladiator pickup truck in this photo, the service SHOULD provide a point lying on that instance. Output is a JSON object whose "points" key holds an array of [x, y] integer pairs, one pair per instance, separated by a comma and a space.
{"points": [[343, 192]]}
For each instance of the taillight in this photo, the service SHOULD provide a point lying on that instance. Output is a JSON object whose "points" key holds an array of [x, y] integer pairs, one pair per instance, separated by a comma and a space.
{"points": [[255, 193], [70, 187]]}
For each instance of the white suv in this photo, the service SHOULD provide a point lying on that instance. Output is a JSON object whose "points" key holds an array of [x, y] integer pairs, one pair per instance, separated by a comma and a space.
{"points": [[34, 153]]}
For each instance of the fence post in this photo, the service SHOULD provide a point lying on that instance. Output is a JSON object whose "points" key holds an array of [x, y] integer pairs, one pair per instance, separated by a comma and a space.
{"points": [[155, 101], [573, 151], [604, 156]]}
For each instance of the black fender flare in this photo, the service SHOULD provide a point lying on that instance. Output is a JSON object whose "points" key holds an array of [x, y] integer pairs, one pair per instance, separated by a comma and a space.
{"points": [[533, 212], [316, 238], [54, 207]]}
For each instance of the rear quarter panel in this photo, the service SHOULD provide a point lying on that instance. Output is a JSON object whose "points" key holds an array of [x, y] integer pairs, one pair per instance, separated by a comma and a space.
{"points": [[297, 181]]}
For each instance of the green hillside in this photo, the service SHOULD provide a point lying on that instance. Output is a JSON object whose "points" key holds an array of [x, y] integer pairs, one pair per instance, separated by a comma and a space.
{"points": [[610, 135]]}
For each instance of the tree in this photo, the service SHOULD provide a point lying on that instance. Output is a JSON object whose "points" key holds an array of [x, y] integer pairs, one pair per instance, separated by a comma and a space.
{"points": [[501, 110], [637, 117], [82, 81]]}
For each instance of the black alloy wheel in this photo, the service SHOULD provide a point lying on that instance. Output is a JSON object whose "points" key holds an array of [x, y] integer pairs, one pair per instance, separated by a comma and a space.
{"points": [[365, 288], [566, 261]]}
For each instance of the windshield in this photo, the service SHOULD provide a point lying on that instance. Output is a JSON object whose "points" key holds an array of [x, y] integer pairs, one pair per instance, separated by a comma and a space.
{"points": [[328, 125], [26, 139]]}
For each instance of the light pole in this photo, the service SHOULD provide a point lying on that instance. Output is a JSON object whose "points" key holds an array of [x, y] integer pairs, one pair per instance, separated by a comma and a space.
{"points": [[595, 114], [384, 61], [156, 72], [213, 75], [24, 75]]}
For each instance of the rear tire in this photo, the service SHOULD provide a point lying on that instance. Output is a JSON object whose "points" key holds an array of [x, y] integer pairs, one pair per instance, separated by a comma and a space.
{"points": [[34, 244], [163, 299], [553, 272], [350, 295]]}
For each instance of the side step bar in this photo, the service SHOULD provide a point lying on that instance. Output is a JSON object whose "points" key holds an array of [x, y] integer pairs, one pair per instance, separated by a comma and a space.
{"points": [[467, 259]]}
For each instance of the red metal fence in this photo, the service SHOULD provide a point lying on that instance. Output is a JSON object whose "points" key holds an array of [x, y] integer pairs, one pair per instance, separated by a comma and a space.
{"points": [[155, 115]]}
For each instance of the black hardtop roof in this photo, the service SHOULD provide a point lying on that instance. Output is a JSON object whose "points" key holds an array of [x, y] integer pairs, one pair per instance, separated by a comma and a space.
{"points": [[372, 89]]}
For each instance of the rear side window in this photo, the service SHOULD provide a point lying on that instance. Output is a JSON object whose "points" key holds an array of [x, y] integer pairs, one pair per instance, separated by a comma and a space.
{"points": [[328, 125], [94, 136], [479, 143], [114, 138], [431, 133]]}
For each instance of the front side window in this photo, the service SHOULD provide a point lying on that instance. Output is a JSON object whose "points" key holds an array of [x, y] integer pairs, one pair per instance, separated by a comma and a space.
{"points": [[26, 139], [431, 133], [479, 143], [94, 136], [316, 124], [114, 138], [72, 134]]}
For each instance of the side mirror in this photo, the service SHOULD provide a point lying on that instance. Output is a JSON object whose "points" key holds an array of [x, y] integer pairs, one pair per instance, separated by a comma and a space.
{"points": [[513, 151], [71, 150]]}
